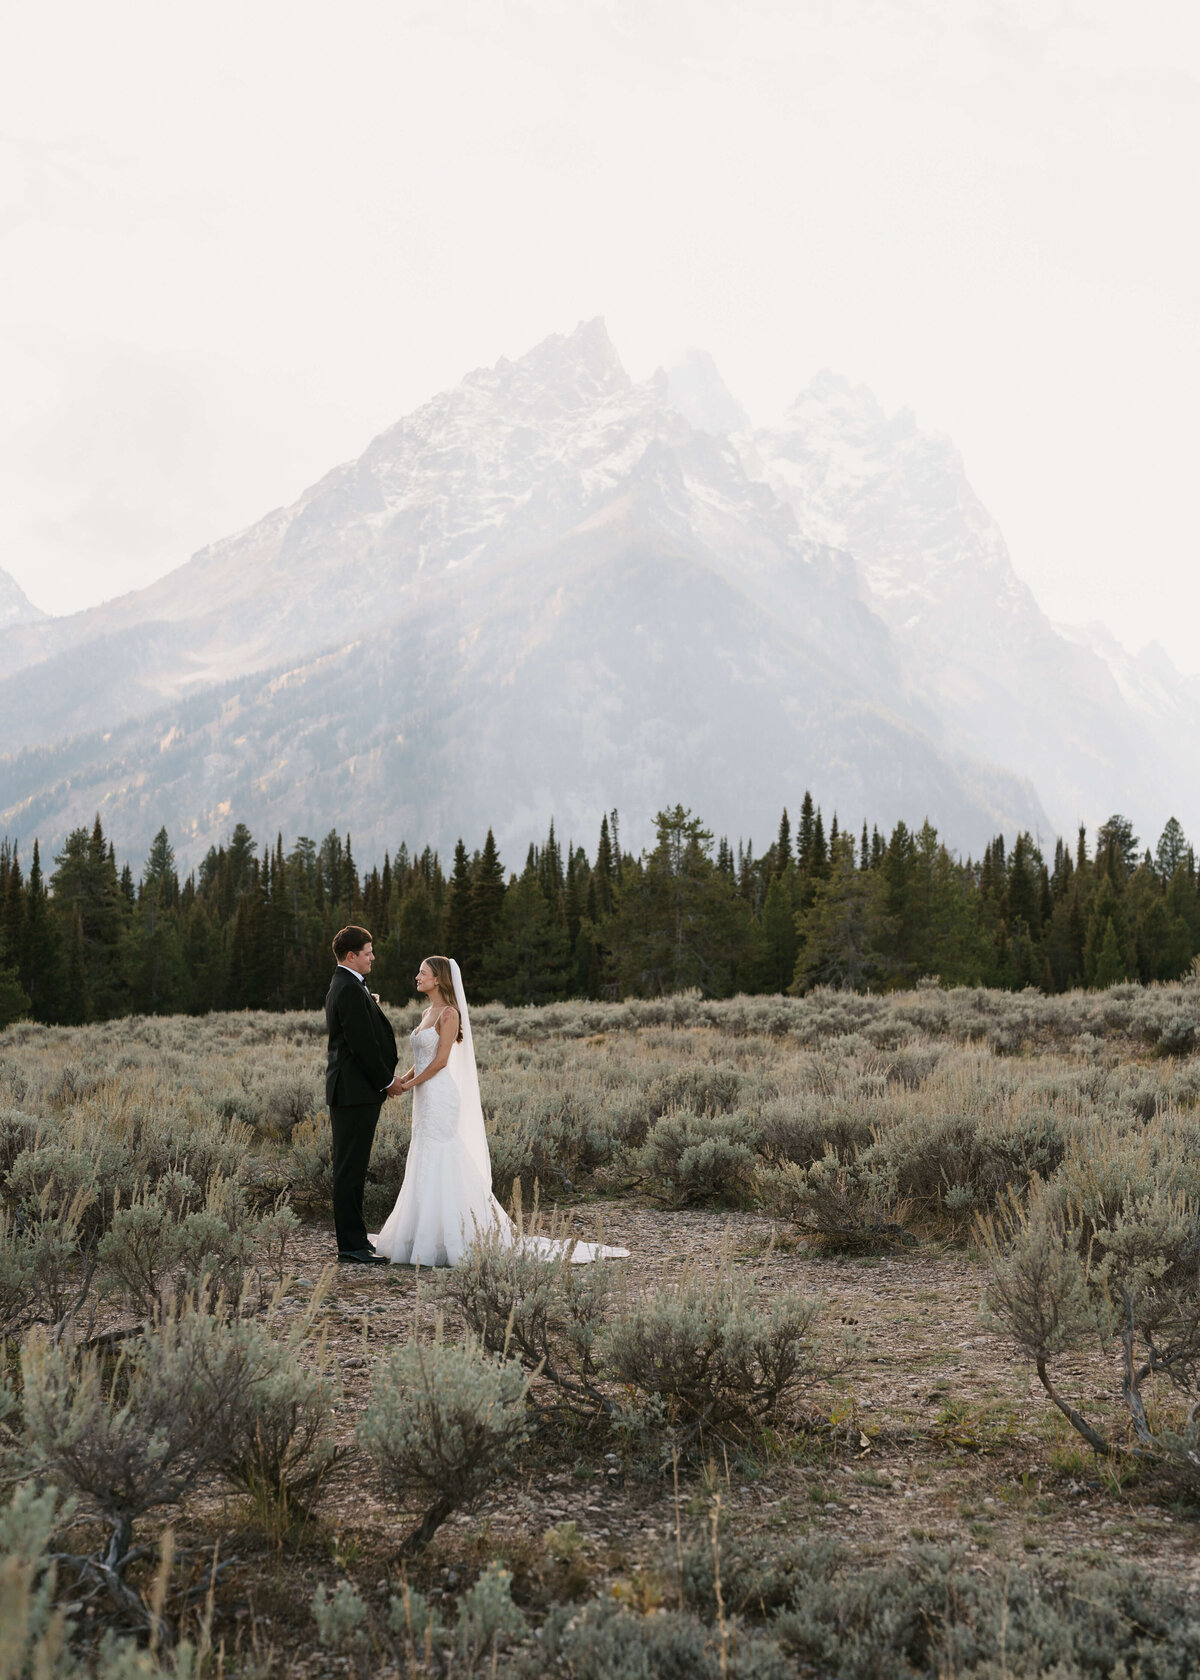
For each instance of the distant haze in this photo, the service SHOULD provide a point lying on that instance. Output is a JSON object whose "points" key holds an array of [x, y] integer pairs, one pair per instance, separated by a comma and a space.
{"points": [[236, 242]]}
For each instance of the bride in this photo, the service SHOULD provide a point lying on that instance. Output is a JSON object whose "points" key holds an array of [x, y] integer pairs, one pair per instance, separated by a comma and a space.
{"points": [[446, 1199]]}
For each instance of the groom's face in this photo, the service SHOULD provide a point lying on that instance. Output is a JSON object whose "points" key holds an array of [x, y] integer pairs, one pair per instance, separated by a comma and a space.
{"points": [[360, 961]]}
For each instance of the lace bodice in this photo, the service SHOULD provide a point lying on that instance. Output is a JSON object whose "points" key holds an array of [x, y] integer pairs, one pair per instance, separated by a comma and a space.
{"points": [[424, 1043]]}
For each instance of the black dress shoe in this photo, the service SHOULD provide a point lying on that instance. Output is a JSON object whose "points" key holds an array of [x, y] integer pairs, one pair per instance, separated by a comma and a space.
{"points": [[362, 1257]]}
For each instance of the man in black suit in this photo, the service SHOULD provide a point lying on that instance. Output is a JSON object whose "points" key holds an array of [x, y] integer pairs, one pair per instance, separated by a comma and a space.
{"points": [[359, 1074]]}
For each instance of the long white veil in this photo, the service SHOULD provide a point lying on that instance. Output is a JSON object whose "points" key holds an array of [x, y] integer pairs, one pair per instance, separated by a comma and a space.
{"points": [[473, 1138], [465, 1075]]}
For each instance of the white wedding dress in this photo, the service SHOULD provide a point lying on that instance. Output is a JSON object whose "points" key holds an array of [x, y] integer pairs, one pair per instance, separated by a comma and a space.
{"points": [[446, 1199]]}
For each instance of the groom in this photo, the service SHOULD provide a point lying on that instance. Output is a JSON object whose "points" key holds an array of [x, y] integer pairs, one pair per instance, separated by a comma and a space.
{"points": [[359, 1074]]}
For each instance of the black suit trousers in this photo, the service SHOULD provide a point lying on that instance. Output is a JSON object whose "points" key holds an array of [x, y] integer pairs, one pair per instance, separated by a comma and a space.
{"points": [[353, 1135]]}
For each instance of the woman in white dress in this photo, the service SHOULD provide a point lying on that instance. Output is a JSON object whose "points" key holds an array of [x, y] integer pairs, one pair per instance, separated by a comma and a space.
{"points": [[446, 1199]]}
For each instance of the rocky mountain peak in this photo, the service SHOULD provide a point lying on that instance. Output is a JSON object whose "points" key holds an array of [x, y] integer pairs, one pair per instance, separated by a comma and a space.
{"points": [[695, 387], [831, 396], [15, 605], [565, 371]]}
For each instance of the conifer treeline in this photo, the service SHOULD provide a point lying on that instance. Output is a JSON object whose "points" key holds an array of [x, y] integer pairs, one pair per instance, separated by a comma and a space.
{"points": [[250, 928]]}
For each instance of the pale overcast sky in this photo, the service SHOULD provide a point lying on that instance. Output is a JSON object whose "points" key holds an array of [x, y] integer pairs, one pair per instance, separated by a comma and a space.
{"points": [[237, 240]]}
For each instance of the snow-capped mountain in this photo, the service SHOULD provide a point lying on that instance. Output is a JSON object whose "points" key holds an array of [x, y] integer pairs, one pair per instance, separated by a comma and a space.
{"points": [[1095, 729], [15, 605], [547, 590]]}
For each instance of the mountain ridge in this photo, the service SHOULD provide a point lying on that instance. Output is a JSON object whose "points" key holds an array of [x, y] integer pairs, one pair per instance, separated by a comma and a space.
{"points": [[467, 552]]}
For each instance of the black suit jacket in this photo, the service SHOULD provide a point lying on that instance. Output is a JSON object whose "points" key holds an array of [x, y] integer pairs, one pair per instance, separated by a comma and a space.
{"points": [[362, 1046]]}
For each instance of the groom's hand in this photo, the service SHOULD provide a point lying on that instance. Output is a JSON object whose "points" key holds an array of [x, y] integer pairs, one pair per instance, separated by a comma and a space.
{"points": [[395, 1088]]}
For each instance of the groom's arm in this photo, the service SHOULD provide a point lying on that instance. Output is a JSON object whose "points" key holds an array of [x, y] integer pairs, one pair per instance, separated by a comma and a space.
{"points": [[354, 1014]]}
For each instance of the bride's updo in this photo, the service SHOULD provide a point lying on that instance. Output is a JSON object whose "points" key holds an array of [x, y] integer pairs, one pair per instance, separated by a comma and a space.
{"points": [[439, 967]]}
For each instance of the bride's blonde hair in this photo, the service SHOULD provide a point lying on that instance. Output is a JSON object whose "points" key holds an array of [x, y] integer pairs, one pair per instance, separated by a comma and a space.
{"points": [[439, 967]]}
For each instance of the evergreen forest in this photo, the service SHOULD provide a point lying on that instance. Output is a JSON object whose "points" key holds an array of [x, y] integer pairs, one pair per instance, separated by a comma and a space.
{"points": [[250, 928]]}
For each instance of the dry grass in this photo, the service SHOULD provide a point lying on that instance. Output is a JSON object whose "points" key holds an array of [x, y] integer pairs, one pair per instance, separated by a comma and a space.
{"points": [[934, 1104]]}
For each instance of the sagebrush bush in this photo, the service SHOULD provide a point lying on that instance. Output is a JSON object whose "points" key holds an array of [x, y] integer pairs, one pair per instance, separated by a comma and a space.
{"points": [[1073, 1262], [186, 1399], [413, 1635], [699, 1157], [442, 1422], [33, 1631], [280, 1447], [40, 1274], [545, 1312], [605, 1640], [721, 1355], [805, 1128], [486, 1616], [834, 1202], [932, 1612]]}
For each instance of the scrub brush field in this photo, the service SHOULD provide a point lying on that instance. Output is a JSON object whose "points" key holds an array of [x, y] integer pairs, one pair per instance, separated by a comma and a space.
{"points": [[901, 1378]]}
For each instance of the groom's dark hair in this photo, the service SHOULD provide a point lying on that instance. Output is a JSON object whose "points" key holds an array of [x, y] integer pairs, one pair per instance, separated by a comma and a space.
{"points": [[349, 939]]}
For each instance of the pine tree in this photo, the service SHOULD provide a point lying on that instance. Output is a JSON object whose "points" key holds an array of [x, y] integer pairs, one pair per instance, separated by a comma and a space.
{"points": [[618, 859], [550, 871], [34, 965], [487, 898], [819, 866], [1109, 966], [155, 964], [604, 874], [14, 999], [530, 958], [1172, 849], [574, 901], [385, 900], [351, 894], [77, 1002], [240, 854], [842, 933], [460, 938], [415, 936], [12, 909], [679, 922], [778, 928], [85, 882], [783, 845], [804, 836], [1117, 848]]}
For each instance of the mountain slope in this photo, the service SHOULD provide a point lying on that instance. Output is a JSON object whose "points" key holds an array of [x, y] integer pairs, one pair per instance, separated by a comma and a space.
{"points": [[564, 701], [15, 605], [544, 591], [1005, 683]]}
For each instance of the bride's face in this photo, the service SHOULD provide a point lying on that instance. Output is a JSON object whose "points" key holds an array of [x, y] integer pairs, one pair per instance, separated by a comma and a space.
{"points": [[425, 981]]}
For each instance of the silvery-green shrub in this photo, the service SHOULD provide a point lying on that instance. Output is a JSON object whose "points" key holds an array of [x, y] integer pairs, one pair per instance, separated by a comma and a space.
{"points": [[721, 1354], [486, 1615], [442, 1422]]}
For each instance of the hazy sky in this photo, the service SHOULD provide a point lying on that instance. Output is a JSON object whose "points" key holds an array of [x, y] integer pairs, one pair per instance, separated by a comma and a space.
{"points": [[236, 241]]}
